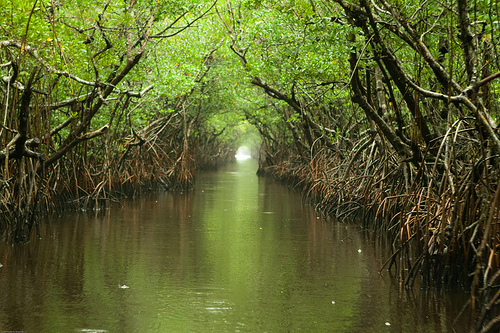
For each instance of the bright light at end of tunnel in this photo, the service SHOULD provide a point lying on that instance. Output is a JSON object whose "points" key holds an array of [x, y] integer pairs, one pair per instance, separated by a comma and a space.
{"points": [[243, 153]]}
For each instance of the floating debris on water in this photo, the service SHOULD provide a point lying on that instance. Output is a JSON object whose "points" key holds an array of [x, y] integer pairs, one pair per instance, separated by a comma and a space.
{"points": [[333, 302], [124, 286], [90, 330], [359, 251], [387, 323]]}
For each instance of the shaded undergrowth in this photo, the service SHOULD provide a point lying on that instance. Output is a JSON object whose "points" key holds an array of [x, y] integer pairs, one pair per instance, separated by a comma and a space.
{"points": [[102, 172]]}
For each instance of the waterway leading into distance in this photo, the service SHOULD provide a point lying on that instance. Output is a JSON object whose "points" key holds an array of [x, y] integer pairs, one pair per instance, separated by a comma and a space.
{"points": [[238, 253]]}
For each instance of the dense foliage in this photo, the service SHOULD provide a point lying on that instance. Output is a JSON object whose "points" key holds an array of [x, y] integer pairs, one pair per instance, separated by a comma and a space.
{"points": [[105, 98], [385, 110]]}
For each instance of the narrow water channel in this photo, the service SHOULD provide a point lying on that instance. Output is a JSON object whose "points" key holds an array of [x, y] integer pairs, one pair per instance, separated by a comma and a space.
{"points": [[239, 253]]}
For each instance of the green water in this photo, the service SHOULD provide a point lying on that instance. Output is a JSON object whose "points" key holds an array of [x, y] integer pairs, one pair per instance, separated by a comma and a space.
{"points": [[237, 254]]}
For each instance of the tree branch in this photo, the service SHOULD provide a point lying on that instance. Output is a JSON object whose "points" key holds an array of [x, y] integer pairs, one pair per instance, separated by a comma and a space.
{"points": [[64, 149], [139, 94], [161, 34], [34, 53]]}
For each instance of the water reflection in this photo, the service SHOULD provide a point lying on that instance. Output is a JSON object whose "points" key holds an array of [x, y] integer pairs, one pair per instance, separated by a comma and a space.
{"points": [[237, 254]]}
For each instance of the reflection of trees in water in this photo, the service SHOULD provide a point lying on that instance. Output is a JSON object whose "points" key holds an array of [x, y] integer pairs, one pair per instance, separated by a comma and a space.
{"points": [[237, 247]]}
